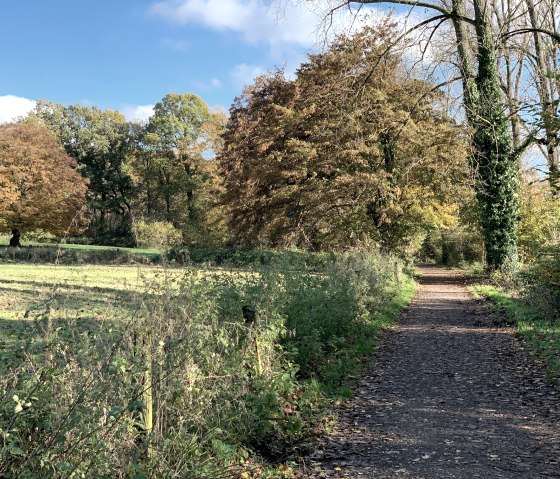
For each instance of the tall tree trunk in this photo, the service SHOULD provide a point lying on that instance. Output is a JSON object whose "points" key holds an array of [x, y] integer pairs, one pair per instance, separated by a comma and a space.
{"points": [[191, 210], [148, 198], [494, 156], [15, 239], [545, 96]]}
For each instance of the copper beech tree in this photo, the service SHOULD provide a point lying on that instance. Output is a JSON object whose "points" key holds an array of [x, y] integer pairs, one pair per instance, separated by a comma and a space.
{"points": [[40, 186], [343, 153]]}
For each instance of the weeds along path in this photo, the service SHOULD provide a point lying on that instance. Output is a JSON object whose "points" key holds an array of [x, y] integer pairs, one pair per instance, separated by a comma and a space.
{"points": [[449, 395]]}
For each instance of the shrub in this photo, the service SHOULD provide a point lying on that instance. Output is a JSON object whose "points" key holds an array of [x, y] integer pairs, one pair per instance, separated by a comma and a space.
{"points": [[157, 234], [245, 257], [62, 255], [539, 227], [543, 284], [196, 377], [334, 318]]}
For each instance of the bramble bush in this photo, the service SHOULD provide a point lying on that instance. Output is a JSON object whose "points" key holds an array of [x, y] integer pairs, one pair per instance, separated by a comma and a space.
{"points": [[204, 375]]}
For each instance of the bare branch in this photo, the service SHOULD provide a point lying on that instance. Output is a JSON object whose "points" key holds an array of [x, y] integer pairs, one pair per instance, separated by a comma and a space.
{"points": [[553, 35]]}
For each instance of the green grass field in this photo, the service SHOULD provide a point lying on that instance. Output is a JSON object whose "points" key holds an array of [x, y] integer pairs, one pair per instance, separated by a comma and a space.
{"points": [[78, 293], [75, 254], [5, 240], [85, 295]]}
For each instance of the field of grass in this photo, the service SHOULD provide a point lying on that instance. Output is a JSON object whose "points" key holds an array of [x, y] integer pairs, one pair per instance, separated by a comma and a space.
{"points": [[541, 334], [84, 298], [40, 252], [84, 294]]}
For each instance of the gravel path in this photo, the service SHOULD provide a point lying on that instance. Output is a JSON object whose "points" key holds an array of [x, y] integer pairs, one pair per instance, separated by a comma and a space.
{"points": [[449, 395]]}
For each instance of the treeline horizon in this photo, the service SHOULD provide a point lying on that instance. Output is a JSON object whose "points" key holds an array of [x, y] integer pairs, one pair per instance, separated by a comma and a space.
{"points": [[343, 154]]}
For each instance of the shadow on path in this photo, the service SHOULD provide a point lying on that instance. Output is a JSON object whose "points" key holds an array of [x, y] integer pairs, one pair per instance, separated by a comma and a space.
{"points": [[448, 395]]}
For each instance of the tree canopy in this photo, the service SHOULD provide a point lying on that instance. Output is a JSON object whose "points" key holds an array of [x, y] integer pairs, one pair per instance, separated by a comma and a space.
{"points": [[161, 170], [175, 163], [100, 142], [40, 186], [342, 154], [481, 32]]}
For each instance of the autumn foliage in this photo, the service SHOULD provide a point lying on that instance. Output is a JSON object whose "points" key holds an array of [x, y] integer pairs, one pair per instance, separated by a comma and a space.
{"points": [[40, 186], [352, 150]]}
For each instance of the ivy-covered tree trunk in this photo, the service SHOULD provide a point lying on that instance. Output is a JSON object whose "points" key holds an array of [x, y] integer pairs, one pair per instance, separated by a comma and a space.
{"points": [[493, 157]]}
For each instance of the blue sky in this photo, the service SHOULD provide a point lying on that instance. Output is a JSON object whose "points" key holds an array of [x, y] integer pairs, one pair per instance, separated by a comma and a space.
{"points": [[127, 54]]}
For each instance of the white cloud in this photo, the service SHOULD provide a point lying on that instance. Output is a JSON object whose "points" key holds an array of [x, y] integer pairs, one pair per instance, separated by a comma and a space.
{"points": [[12, 107], [256, 20], [138, 113], [282, 25], [215, 82], [244, 74], [218, 14], [276, 22], [290, 29]]}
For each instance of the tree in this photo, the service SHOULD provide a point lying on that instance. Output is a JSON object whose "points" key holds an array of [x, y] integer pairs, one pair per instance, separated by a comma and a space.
{"points": [[40, 186], [101, 142], [494, 156], [529, 64], [543, 60], [341, 154], [179, 141]]}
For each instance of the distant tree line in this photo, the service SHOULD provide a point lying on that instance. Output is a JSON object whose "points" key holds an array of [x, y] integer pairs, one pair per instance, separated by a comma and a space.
{"points": [[337, 156], [160, 171], [351, 150]]}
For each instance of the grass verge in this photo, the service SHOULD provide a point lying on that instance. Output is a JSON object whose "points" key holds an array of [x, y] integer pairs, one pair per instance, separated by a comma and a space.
{"points": [[540, 334]]}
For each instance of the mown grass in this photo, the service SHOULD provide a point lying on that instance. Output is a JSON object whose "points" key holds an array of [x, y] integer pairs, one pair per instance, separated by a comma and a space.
{"points": [[540, 333], [74, 254]]}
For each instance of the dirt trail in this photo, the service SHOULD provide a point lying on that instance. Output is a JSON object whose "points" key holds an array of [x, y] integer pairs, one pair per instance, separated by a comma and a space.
{"points": [[449, 395]]}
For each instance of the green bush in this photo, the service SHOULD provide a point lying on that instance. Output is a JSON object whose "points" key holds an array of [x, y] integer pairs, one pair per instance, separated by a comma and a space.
{"points": [[543, 284], [245, 257], [157, 234], [539, 225], [334, 317]]}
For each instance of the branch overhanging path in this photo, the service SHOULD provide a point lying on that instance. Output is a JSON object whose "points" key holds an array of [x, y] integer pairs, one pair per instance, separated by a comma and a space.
{"points": [[449, 394], [448, 13]]}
